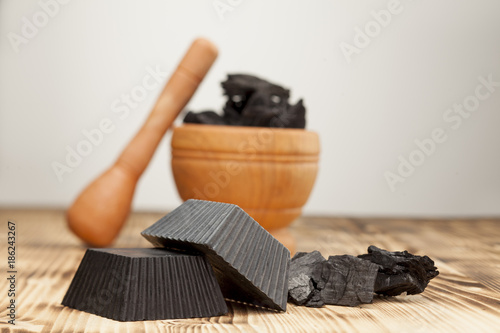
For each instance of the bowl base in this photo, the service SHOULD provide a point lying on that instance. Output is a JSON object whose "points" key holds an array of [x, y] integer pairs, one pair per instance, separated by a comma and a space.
{"points": [[285, 237], [270, 218]]}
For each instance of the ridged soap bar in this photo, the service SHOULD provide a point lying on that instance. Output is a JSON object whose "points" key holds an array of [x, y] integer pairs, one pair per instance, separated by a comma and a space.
{"points": [[145, 284], [250, 264]]}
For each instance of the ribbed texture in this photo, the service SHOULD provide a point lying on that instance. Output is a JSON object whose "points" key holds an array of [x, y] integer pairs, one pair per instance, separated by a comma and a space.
{"points": [[250, 264], [145, 284]]}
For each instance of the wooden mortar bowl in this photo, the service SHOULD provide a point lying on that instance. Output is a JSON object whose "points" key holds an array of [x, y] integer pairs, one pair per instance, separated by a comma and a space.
{"points": [[268, 172]]}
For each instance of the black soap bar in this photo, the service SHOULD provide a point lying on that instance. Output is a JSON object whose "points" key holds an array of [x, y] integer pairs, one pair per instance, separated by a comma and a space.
{"points": [[400, 271], [145, 284], [252, 101], [250, 264]]}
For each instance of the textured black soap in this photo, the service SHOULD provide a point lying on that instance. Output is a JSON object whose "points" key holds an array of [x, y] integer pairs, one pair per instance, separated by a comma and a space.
{"points": [[250, 264], [145, 284]]}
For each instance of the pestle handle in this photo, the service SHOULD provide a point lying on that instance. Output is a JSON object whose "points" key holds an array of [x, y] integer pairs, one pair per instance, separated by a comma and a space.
{"points": [[100, 211], [174, 97]]}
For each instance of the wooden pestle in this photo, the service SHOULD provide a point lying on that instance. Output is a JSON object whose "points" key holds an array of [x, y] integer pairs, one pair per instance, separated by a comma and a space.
{"points": [[100, 211]]}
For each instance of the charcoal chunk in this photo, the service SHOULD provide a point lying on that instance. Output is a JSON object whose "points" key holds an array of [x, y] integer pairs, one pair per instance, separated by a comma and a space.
{"points": [[250, 265], [400, 271], [315, 299], [351, 281], [300, 283], [205, 117], [252, 101], [340, 280]]}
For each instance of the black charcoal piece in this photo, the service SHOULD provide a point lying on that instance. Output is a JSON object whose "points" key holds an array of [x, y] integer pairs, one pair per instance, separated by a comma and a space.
{"points": [[351, 281], [250, 264], [340, 280], [205, 117], [400, 271], [252, 101], [300, 283], [145, 284]]}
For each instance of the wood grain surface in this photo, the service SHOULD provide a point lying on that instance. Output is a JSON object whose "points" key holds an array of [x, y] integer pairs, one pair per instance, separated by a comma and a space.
{"points": [[465, 297]]}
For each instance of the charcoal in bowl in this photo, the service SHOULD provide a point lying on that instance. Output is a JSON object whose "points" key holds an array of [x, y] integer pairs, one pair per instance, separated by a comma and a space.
{"points": [[249, 263], [252, 101], [145, 284]]}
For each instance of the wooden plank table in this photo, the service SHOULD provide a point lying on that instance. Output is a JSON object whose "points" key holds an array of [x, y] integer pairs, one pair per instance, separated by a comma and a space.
{"points": [[465, 297]]}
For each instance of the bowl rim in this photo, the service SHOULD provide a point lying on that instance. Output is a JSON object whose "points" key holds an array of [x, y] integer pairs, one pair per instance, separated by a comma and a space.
{"points": [[245, 139], [238, 128]]}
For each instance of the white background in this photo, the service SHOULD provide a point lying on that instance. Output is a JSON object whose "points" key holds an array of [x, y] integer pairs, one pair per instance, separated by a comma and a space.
{"points": [[367, 112]]}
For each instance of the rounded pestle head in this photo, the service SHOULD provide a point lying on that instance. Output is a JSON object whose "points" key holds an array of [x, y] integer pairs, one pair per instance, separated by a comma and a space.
{"points": [[99, 212]]}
